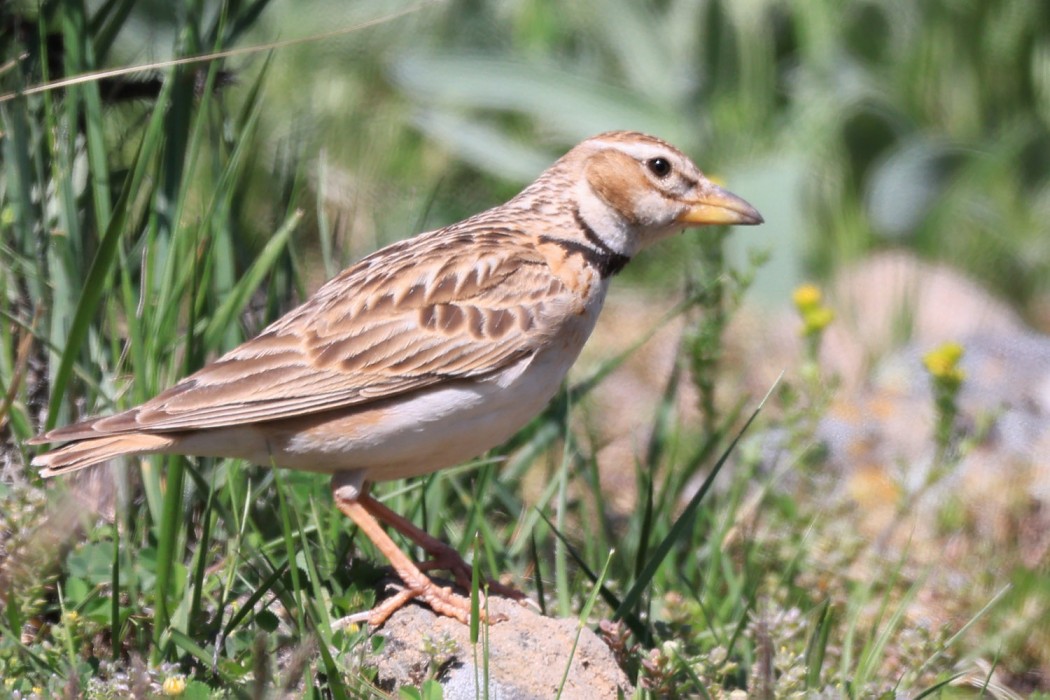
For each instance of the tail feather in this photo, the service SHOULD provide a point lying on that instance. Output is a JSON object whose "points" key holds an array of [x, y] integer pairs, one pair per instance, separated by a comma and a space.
{"points": [[85, 453], [83, 430]]}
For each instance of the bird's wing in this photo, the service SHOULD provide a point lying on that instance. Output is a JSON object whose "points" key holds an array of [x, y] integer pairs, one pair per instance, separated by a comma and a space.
{"points": [[427, 310]]}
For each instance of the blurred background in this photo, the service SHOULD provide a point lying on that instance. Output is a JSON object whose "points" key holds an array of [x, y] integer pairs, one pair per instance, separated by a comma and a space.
{"points": [[898, 150], [853, 126]]}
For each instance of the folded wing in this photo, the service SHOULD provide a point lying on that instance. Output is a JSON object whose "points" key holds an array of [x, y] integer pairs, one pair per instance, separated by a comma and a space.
{"points": [[401, 320]]}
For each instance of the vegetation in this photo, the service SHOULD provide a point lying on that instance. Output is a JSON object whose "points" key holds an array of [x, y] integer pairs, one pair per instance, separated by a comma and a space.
{"points": [[149, 221]]}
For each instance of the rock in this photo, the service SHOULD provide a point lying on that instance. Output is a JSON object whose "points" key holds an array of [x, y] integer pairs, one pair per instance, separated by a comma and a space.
{"points": [[893, 297], [882, 434], [524, 657], [881, 303]]}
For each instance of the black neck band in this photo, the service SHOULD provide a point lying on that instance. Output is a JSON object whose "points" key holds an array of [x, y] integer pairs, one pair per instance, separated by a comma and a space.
{"points": [[606, 260]]}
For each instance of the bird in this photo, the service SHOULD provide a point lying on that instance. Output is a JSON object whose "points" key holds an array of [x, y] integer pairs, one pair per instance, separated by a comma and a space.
{"points": [[428, 352]]}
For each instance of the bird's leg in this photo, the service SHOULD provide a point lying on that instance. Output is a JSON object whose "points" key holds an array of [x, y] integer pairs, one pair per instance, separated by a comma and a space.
{"points": [[417, 584], [444, 556]]}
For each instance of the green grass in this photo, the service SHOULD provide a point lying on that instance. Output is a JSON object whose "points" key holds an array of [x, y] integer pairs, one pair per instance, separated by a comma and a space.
{"points": [[141, 238]]}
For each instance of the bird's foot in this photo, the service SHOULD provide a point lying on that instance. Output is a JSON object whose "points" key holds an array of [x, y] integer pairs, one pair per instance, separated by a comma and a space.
{"points": [[417, 584], [441, 599], [448, 559]]}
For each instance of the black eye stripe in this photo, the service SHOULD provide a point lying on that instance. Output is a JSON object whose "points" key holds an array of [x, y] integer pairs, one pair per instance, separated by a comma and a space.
{"points": [[660, 167]]}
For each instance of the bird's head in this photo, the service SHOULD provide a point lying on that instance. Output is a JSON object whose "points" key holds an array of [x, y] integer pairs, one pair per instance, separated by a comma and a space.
{"points": [[636, 189]]}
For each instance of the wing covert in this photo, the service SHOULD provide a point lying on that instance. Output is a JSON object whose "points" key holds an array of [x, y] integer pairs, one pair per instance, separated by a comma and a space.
{"points": [[396, 322]]}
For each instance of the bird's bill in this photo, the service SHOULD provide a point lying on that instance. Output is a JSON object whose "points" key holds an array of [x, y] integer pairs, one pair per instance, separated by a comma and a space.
{"points": [[719, 207]]}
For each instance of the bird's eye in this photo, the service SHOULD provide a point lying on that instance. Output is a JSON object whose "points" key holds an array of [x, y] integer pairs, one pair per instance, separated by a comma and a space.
{"points": [[660, 167]]}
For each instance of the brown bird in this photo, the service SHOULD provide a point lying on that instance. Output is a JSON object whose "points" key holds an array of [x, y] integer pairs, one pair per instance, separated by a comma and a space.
{"points": [[428, 352]]}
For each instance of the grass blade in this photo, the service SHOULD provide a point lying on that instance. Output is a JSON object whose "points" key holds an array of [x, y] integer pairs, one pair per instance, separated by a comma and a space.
{"points": [[236, 301], [584, 614], [682, 524]]}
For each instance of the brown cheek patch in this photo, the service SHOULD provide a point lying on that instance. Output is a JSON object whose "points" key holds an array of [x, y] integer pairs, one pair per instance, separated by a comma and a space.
{"points": [[616, 178]]}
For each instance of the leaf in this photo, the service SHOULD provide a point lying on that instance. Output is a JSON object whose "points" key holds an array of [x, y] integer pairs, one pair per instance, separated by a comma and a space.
{"points": [[640, 41], [432, 690], [195, 690], [906, 184], [573, 106], [75, 591], [92, 563], [482, 145], [267, 620]]}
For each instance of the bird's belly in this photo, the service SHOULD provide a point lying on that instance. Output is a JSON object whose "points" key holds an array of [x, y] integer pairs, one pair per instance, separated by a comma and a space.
{"points": [[427, 431], [417, 433]]}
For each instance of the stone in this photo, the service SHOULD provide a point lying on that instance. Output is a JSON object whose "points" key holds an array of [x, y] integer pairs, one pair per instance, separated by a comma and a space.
{"points": [[524, 657]]}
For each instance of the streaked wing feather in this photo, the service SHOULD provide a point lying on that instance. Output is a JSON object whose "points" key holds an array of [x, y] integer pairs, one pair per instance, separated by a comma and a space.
{"points": [[398, 321]]}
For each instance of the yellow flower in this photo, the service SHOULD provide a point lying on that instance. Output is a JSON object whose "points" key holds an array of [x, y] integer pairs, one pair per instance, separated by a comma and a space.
{"points": [[174, 686], [816, 319], [943, 363], [72, 616], [806, 297], [810, 304]]}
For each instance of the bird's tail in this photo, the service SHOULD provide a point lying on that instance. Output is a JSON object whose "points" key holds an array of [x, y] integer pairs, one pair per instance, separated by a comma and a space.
{"points": [[84, 453]]}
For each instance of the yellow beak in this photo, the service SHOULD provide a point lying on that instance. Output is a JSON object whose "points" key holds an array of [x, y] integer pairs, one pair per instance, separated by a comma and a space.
{"points": [[718, 206]]}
